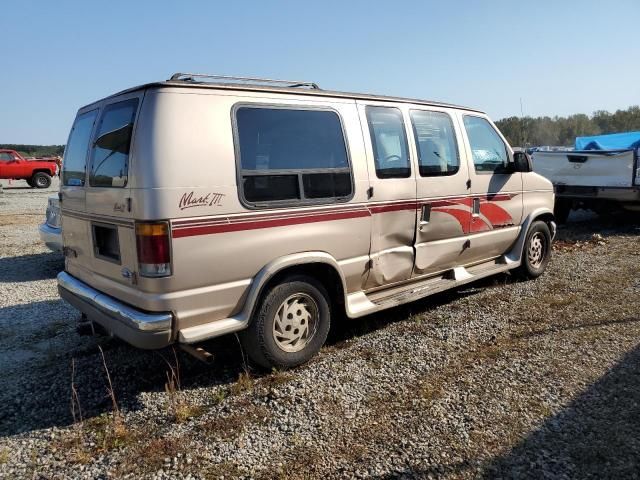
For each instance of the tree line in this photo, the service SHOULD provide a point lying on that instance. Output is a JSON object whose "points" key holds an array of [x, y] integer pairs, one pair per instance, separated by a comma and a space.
{"points": [[35, 150], [562, 131], [520, 131]]}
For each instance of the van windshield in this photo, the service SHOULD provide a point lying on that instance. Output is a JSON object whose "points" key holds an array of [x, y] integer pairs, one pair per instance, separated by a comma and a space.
{"points": [[110, 154]]}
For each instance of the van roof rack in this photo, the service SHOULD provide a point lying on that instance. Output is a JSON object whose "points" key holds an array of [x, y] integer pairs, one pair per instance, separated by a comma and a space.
{"points": [[191, 77]]}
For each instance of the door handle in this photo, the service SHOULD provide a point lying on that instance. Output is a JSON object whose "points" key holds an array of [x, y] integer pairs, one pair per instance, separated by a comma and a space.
{"points": [[425, 215], [475, 212]]}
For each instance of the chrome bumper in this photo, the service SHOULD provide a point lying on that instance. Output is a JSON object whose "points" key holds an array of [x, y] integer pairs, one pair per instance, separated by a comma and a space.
{"points": [[141, 329], [51, 237]]}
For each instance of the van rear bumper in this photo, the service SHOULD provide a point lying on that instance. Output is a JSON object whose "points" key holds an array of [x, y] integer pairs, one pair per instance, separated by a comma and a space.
{"points": [[139, 328]]}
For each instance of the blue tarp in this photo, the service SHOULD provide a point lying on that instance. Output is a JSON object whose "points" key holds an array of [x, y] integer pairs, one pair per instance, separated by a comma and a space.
{"points": [[614, 141]]}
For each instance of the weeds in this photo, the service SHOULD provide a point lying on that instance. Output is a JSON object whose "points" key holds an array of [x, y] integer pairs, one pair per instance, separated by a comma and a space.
{"points": [[243, 384], [559, 301], [149, 456], [103, 433], [230, 426], [76, 411], [118, 423], [179, 408], [218, 397], [277, 378]]}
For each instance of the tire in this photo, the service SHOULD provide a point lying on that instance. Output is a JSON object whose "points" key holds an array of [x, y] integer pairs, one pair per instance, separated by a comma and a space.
{"points": [[41, 180], [536, 252], [30, 182], [296, 303], [561, 210]]}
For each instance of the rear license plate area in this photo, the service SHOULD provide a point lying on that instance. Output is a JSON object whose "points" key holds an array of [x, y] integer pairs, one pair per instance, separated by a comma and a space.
{"points": [[106, 245]]}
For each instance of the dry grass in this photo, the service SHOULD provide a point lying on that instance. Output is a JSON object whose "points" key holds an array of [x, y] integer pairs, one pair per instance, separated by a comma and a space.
{"points": [[4, 456], [221, 470], [149, 455], [231, 426], [555, 300], [180, 409], [244, 384], [95, 436], [109, 433], [277, 378]]}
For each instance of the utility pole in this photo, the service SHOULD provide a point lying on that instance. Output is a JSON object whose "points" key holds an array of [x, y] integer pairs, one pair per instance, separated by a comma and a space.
{"points": [[524, 130]]}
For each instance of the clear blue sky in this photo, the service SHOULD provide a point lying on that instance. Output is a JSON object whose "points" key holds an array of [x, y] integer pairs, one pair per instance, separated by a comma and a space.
{"points": [[561, 57]]}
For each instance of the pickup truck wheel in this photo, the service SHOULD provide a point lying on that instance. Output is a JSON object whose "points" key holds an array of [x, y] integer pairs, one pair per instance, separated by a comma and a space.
{"points": [[536, 252], [290, 325], [41, 180], [30, 183]]}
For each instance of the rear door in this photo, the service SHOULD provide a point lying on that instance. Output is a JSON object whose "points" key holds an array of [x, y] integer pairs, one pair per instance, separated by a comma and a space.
{"points": [[392, 192], [75, 230], [98, 228], [443, 205], [497, 202]]}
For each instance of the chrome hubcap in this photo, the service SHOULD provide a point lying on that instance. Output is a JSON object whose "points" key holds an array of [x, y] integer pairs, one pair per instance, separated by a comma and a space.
{"points": [[536, 250], [40, 181], [296, 322]]}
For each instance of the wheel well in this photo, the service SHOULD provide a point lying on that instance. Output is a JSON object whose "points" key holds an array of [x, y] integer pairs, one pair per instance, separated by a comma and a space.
{"points": [[323, 272], [546, 218], [41, 170]]}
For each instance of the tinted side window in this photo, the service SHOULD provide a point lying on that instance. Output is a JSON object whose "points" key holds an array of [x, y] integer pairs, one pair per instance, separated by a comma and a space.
{"points": [[110, 154], [487, 148], [292, 155], [389, 141], [75, 153], [435, 142], [5, 157]]}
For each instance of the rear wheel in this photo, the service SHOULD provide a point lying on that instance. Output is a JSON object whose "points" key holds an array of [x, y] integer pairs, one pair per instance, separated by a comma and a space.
{"points": [[290, 325], [30, 182], [537, 251], [41, 180]]}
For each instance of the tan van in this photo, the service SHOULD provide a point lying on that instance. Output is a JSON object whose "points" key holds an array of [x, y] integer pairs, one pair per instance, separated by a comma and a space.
{"points": [[207, 205]]}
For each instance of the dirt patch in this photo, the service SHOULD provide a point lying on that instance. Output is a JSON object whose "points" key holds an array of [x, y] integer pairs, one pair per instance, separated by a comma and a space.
{"points": [[23, 219]]}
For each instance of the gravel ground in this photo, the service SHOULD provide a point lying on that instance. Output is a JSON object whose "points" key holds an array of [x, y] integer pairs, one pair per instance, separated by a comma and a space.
{"points": [[502, 379]]}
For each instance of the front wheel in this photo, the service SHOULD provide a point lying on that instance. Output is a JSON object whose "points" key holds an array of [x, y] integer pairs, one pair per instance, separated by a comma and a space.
{"points": [[290, 325], [41, 180], [537, 251]]}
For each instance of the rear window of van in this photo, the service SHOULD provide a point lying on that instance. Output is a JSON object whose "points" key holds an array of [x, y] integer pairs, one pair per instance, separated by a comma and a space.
{"points": [[110, 153], [75, 153]]}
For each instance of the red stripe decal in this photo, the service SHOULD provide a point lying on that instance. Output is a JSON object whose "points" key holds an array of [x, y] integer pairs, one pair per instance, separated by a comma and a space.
{"points": [[478, 225], [189, 231], [208, 225], [498, 216], [462, 216]]}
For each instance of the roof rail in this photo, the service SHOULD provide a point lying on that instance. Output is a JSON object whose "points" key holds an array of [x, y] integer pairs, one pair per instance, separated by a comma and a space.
{"points": [[191, 77]]}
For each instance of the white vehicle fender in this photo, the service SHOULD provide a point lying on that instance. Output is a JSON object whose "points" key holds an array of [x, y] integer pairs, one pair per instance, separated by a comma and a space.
{"points": [[515, 255]]}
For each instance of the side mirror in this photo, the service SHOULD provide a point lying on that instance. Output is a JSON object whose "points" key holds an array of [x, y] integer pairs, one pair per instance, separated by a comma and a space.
{"points": [[522, 162]]}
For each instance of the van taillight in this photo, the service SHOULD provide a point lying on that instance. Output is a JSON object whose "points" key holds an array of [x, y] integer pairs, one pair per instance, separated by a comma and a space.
{"points": [[154, 252]]}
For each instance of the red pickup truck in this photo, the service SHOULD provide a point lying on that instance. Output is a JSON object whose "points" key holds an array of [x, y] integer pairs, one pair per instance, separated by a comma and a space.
{"points": [[37, 172]]}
